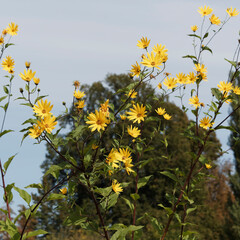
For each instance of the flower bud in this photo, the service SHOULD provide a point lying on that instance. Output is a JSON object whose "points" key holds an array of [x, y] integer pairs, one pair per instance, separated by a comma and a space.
{"points": [[63, 103], [36, 80], [27, 64], [21, 90]]}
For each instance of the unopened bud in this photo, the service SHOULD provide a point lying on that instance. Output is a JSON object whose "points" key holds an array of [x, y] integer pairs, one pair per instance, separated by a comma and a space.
{"points": [[21, 90], [151, 76], [39, 90], [63, 103], [27, 64]]}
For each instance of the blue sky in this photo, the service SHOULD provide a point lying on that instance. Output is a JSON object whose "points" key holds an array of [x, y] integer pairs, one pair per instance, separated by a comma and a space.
{"points": [[85, 40]]}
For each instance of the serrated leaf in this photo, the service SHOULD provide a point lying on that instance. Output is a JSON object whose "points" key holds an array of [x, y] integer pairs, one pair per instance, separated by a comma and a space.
{"points": [[24, 195]]}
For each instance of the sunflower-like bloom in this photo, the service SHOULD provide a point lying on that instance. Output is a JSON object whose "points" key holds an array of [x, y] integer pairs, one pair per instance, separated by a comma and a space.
{"points": [[160, 111], [80, 104], [35, 131], [153, 60], [1, 40], [78, 95], [208, 166], [97, 121], [8, 63], [181, 78], [195, 101], [204, 11], [123, 155], [232, 12], [136, 70], [42, 109], [215, 20], [225, 86], [200, 68], [134, 132], [170, 82], [105, 108], [4, 32], [116, 186], [191, 77], [137, 113], [12, 29], [160, 50], [206, 122], [226, 95], [36, 80], [63, 191], [27, 64], [159, 86], [143, 43], [236, 90], [76, 84], [132, 93], [48, 123], [28, 75], [112, 159], [123, 117], [194, 28], [128, 166], [167, 116]]}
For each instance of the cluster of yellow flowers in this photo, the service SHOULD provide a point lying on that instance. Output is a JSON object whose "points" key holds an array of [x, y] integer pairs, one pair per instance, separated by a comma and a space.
{"points": [[29, 74], [78, 95], [162, 112], [46, 121], [227, 88]]}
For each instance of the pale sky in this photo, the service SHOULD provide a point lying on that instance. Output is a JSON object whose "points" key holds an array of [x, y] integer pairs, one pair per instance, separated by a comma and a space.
{"points": [[85, 40]]}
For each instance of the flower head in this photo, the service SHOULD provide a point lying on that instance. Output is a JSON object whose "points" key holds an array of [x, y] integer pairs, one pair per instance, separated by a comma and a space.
{"points": [[232, 12], [194, 28], [215, 20], [204, 11], [159, 86], [153, 60], [123, 155], [48, 123], [160, 50], [123, 117], [112, 159], [206, 122], [116, 187], [35, 131], [80, 104], [208, 166], [181, 78], [160, 111], [97, 121], [76, 84], [143, 43], [78, 95], [137, 113], [8, 64], [36, 80], [27, 64], [132, 93], [134, 132], [136, 70], [128, 165], [12, 29], [1, 40], [28, 75], [63, 191], [167, 116], [236, 90], [200, 68], [170, 82], [191, 77], [225, 86], [195, 101], [42, 109]]}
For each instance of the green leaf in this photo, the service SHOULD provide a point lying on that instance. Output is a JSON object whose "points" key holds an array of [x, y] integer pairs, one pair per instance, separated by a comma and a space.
{"points": [[121, 233], [194, 35], [131, 206], [55, 196], [231, 62], [54, 170], [2, 98], [190, 56], [39, 98], [34, 233], [5, 89], [103, 191], [24, 195], [216, 93], [35, 185], [170, 175], [143, 181], [206, 35], [134, 196], [168, 209], [5, 132], [9, 192], [189, 210], [7, 163], [207, 48], [8, 45]]}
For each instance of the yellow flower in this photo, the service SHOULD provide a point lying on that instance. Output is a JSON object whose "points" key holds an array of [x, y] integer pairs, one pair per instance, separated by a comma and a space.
{"points": [[225, 87], [4, 32], [123, 155], [195, 101], [134, 132], [232, 12], [128, 166], [159, 86], [160, 111], [200, 68], [132, 93], [94, 146], [160, 50], [8, 64], [80, 104], [194, 28], [63, 191], [143, 43], [43, 109], [181, 78], [48, 123], [167, 116], [206, 122], [215, 20], [191, 77], [123, 117], [153, 60], [204, 11], [97, 121], [136, 70], [116, 187], [105, 108], [78, 95], [28, 75], [76, 84], [27, 64], [236, 90], [208, 166], [137, 113], [1, 40], [112, 159], [36, 80], [35, 131], [204, 76], [170, 82], [225, 95], [12, 29]]}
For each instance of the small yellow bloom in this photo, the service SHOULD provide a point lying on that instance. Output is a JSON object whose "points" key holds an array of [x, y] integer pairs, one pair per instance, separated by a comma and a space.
{"points": [[200, 68], [195, 101], [1, 40], [80, 104], [204, 11], [36, 80], [123, 155], [112, 159], [194, 28], [181, 78], [236, 90], [215, 20], [160, 111], [225, 95], [225, 86], [143, 43], [206, 122], [4, 32], [153, 60], [128, 166], [137, 113], [97, 121], [48, 123], [167, 116], [35, 131], [160, 50], [76, 84], [116, 187], [132, 93], [170, 82], [63, 191], [134, 132], [27, 64], [208, 166], [136, 70], [159, 86], [28, 75], [191, 77], [123, 117], [232, 12], [8, 63], [42, 109], [94, 146], [78, 95], [12, 29]]}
